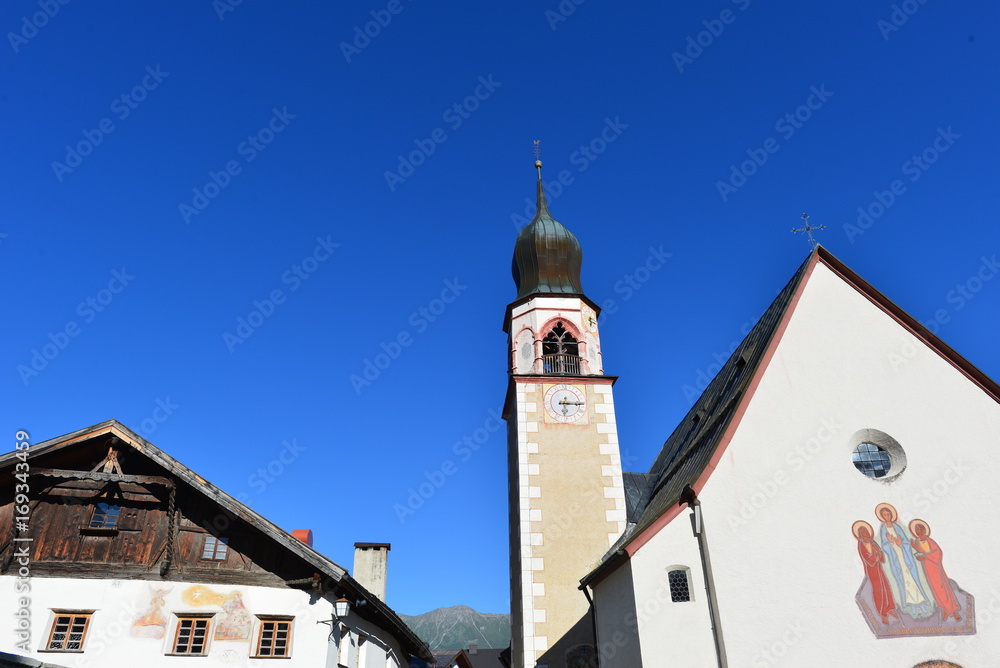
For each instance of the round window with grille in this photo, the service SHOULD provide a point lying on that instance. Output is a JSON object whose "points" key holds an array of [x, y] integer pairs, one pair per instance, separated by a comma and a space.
{"points": [[872, 460], [877, 455]]}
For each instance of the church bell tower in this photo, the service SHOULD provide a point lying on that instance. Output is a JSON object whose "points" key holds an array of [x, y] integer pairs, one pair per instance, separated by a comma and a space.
{"points": [[567, 502]]}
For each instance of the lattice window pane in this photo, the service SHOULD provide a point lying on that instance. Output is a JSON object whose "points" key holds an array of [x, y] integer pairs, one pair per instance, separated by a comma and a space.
{"points": [[273, 639], [871, 460], [215, 548], [105, 516], [678, 581], [76, 631], [68, 632], [192, 633]]}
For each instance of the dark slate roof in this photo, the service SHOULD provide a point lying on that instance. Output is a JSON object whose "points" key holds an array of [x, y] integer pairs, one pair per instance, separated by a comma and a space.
{"points": [[637, 489], [547, 256], [689, 449], [691, 446], [444, 657], [485, 658], [482, 658]]}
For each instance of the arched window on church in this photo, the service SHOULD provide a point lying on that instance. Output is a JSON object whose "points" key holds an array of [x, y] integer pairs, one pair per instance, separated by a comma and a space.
{"points": [[561, 352], [680, 584]]}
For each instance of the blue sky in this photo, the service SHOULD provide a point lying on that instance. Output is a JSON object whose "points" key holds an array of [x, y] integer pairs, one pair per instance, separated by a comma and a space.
{"points": [[174, 170]]}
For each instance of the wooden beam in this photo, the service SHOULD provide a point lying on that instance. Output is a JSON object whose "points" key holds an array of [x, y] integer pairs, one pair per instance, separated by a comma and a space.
{"points": [[81, 489], [66, 474], [103, 570]]}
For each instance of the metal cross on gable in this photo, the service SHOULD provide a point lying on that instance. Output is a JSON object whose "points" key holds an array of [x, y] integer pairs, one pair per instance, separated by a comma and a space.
{"points": [[808, 229]]}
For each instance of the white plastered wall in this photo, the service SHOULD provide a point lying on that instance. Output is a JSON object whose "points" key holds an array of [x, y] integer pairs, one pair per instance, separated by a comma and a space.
{"points": [[779, 507], [117, 604]]}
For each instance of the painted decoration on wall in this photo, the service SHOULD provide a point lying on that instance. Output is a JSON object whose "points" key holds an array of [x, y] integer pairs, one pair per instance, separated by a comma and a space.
{"points": [[524, 350], [906, 591], [152, 623], [199, 596], [234, 623]]}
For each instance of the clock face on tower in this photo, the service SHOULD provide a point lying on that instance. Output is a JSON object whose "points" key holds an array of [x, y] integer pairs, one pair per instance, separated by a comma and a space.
{"points": [[566, 403]]}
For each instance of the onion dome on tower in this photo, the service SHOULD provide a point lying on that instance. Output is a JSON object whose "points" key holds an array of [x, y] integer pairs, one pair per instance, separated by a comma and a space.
{"points": [[547, 256]]}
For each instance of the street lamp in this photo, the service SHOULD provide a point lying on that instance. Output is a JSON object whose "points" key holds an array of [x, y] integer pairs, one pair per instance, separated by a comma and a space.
{"points": [[341, 607]]}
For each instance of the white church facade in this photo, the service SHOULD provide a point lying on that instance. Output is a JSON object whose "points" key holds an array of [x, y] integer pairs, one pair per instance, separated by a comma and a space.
{"points": [[828, 501]]}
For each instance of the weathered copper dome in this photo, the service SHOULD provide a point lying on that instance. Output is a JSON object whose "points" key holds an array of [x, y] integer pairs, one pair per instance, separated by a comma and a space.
{"points": [[547, 256]]}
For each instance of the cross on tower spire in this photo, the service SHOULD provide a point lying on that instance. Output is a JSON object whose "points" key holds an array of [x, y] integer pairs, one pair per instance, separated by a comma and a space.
{"points": [[808, 229], [537, 151]]}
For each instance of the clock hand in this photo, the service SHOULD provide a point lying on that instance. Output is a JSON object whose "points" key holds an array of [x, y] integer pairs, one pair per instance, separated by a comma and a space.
{"points": [[565, 403]]}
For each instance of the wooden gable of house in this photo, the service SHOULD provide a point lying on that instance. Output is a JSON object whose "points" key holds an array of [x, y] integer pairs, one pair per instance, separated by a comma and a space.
{"points": [[99, 507]]}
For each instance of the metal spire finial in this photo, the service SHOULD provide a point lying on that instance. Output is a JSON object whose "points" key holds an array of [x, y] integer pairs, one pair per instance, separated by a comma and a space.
{"points": [[808, 229], [537, 151]]}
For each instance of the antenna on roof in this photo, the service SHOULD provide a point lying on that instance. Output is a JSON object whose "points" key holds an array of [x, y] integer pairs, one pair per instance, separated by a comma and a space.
{"points": [[808, 229]]}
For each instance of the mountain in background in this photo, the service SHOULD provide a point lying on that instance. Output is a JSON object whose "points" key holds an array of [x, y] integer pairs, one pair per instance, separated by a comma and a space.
{"points": [[456, 627]]}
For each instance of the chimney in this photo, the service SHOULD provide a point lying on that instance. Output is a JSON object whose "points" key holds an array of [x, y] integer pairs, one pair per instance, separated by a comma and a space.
{"points": [[473, 648], [305, 535], [370, 561]]}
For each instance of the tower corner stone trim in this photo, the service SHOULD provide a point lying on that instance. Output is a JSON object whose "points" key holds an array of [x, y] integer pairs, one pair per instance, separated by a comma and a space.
{"points": [[567, 508]]}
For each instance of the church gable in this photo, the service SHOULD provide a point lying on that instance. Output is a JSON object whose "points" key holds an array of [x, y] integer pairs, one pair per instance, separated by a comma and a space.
{"points": [[863, 472], [688, 451], [689, 455], [839, 485]]}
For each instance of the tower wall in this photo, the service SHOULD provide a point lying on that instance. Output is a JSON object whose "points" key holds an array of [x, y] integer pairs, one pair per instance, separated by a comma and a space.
{"points": [[567, 502]]}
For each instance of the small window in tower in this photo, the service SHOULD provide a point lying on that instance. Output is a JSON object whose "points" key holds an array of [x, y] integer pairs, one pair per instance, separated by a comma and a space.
{"points": [[872, 460], [680, 590], [215, 549]]}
